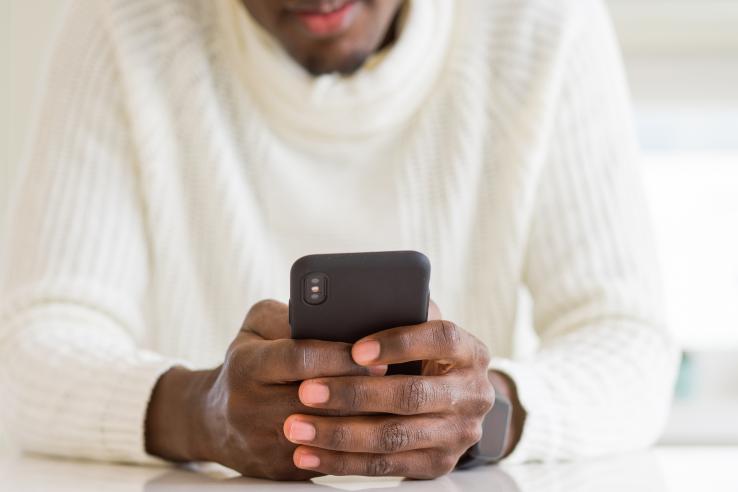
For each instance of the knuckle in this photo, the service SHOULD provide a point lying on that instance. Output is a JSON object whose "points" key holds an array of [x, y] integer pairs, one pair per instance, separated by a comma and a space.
{"points": [[478, 399], [236, 352], [294, 357], [341, 465], [257, 310], [485, 398], [311, 358], [441, 463], [448, 333], [339, 437], [393, 437], [476, 434], [489, 397], [379, 465], [301, 361], [482, 355], [356, 395], [266, 305], [262, 315], [448, 463], [470, 434], [292, 354], [413, 396], [239, 362]]}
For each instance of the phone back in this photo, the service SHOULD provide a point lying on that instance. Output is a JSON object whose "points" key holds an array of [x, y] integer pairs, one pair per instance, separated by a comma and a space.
{"points": [[357, 294]]}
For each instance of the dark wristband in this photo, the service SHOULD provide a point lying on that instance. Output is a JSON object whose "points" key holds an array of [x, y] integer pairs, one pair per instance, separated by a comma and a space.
{"points": [[495, 430]]}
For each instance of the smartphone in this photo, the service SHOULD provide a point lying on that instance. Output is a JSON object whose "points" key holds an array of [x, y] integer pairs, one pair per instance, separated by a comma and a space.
{"points": [[345, 297]]}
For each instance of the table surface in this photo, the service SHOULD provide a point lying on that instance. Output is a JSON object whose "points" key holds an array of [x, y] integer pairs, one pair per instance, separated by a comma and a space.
{"points": [[671, 469]]}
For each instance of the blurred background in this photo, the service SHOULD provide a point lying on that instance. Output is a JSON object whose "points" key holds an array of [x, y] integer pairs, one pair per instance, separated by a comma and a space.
{"points": [[682, 61]]}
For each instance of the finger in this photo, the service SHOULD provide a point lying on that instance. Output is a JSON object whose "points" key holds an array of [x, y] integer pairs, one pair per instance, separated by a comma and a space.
{"points": [[377, 434], [284, 396], [287, 360], [268, 320], [423, 464], [438, 340], [399, 395]]}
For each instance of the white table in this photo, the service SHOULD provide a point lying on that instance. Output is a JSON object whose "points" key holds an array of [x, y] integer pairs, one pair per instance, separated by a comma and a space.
{"points": [[660, 470]]}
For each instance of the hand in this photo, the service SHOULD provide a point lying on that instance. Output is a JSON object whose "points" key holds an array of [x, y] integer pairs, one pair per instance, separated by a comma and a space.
{"points": [[426, 422], [234, 415]]}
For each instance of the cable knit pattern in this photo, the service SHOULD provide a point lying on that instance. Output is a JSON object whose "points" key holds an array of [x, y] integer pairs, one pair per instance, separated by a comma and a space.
{"points": [[162, 198]]}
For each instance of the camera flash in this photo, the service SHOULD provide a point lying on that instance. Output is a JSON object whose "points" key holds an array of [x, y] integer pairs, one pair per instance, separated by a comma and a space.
{"points": [[315, 289]]}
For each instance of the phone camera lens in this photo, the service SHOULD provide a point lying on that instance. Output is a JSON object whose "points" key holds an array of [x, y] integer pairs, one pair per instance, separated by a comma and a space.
{"points": [[315, 288]]}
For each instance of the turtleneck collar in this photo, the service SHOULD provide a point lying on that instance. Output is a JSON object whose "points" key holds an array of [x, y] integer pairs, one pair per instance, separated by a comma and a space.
{"points": [[379, 97]]}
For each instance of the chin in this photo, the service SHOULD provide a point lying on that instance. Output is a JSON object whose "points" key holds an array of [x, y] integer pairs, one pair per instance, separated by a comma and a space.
{"points": [[345, 65]]}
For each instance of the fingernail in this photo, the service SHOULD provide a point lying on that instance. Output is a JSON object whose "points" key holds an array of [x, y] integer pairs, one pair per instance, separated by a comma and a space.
{"points": [[313, 393], [377, 370], [307, 460], [365, 352], [301, 431]]}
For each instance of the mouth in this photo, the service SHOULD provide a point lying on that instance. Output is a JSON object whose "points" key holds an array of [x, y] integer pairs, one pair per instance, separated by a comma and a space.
{"points": [[323, 18]]}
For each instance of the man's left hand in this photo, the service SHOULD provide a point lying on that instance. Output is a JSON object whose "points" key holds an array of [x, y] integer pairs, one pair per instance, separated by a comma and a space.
{"points": [[417, 426]]}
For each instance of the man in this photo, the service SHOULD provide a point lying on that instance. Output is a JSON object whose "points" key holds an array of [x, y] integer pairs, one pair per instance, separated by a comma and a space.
{"points": [[189, 151]]}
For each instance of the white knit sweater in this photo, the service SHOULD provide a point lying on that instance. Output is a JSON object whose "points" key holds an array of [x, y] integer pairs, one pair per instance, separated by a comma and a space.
{"points": [[182, 162]]}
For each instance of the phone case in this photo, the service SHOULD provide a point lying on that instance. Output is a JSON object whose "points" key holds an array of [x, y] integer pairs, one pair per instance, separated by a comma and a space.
{"points": [[360, 294]]}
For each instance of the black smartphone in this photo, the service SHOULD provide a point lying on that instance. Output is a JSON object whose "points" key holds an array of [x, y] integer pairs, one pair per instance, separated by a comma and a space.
{"points": [[345, 297]]}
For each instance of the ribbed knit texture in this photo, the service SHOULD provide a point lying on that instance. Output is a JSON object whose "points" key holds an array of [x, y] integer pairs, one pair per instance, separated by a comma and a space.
{"points": [[162, 199]]}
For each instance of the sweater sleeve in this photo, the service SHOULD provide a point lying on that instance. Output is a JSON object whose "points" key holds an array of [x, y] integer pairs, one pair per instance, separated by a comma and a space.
{"points": [[602, 377], [74, 379]]}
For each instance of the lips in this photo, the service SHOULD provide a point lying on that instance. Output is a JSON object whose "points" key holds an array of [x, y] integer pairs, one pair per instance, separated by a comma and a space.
{"points": [[323, 18]]}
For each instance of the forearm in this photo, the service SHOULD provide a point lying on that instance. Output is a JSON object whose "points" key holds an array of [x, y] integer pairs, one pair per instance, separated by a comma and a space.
{"points": [[176, 416], [74, 385], [602, 389]]}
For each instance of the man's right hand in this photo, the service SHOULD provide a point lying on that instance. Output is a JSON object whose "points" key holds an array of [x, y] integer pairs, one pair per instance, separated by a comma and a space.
{"points": [[234, 415]]}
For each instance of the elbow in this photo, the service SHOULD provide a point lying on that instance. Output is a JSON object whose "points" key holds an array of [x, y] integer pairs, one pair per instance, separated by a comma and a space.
{"points": [[653, 393], [22, 422]]}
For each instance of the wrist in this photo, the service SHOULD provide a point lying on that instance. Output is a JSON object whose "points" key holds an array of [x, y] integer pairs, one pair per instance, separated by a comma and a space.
{"points": [[175, 427], [503, 384]]}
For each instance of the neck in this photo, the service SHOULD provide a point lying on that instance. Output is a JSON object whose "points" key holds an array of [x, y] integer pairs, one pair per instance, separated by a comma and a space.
{"points": [[386, 92], [391, 35]]}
